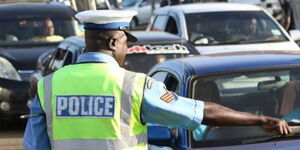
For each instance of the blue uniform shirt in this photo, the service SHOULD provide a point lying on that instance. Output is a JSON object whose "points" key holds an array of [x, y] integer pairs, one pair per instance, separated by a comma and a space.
{"points": [[158, 104]]}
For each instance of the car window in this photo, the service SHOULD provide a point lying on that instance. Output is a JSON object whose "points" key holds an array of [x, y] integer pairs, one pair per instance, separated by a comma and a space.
{"points": [[160, 23], [129, 3], [172, 84], [62, 57], [232, 28], [171, 26], [22, 30], [160, 76], [274, 93]]}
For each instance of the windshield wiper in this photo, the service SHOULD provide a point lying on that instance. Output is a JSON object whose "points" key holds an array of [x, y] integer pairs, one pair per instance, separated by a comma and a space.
{"points": [[239, 41], [295, 127], [245, 41]]}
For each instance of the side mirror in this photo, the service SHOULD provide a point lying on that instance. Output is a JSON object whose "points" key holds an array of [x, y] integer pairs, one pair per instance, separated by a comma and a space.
{"points": [[295, 34], [159, 135]]}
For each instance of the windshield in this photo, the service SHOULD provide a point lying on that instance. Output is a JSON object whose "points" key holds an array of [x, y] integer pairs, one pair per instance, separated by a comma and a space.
{"points": [[274, 93], [24, 30], [236, 27], [129, 3]]}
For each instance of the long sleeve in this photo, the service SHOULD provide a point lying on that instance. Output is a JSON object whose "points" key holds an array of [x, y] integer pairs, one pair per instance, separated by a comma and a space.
{"points": [[35, 136], [163, 107]]}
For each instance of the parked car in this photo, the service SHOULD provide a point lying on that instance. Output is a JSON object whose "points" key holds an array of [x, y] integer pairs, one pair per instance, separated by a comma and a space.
{"points": [[224, 27], [27, 31], [151, 48], [261, 83]]}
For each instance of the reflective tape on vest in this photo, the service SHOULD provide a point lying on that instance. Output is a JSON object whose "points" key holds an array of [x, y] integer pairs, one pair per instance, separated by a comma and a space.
{"points": [[107, 144]]}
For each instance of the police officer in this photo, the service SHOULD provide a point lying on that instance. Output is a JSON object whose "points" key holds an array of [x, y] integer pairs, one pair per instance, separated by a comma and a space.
{"points": [[96, 104]]}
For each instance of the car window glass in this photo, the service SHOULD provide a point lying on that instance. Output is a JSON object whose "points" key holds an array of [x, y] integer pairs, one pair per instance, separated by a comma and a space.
{"points": [[74, 49], [68, 59], [160, 76], [172, 83], [168, 79], [59, 59], [274, 93], [39, 29], [236, 27], [171, 26], [129, 3], [160, 23]]}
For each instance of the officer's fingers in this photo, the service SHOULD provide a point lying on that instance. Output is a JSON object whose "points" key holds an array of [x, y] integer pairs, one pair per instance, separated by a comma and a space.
{"points": [[285, 129], [280, 126], [288, 128]]}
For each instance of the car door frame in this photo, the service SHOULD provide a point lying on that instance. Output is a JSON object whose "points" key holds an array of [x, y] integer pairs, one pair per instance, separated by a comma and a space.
{"points": [[182, 73]]}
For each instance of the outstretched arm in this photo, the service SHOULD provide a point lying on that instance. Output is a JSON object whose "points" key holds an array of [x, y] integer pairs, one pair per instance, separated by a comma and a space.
{"points": [[215, 114]]}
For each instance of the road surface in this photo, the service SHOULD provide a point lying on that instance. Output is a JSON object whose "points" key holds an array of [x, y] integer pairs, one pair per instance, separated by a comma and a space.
{"points": [[11, 135]]}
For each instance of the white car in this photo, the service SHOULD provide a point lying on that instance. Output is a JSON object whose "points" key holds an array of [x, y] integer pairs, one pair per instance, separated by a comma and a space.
{"points": [[143, 8], [224, 27]]}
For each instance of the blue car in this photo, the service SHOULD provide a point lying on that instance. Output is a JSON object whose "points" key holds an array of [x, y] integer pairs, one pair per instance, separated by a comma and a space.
{"points": [[262, 83]]}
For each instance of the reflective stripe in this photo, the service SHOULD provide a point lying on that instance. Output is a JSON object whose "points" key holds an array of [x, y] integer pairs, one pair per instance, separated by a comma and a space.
{"points": [[48, 106], [107, 144], [128, 82]]}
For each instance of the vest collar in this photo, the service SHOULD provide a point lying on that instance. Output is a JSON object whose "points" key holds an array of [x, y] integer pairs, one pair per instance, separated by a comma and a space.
{"points": [[96, 57]]}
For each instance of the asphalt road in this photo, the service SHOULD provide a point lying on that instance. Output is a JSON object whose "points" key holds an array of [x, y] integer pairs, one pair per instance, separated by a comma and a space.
{"points": [[11, 134]]}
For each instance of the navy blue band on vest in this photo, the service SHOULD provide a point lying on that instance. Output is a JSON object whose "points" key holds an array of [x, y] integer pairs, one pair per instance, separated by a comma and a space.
{"points": [[108, 26]]}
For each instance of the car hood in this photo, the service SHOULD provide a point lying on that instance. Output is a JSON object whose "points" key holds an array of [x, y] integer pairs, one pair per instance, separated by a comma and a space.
{"points": [[24, 58], [248, 47], [278, 145]]}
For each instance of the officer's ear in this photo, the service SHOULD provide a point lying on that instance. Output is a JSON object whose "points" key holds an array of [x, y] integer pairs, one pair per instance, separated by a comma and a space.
{"points": [[112, 44]]}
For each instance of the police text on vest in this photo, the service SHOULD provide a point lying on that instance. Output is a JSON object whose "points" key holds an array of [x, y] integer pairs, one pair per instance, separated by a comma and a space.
{"points": [[85, 106]]}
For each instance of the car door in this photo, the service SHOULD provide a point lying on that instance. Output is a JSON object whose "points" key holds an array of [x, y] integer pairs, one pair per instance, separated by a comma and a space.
{"points": [[172, 84]]}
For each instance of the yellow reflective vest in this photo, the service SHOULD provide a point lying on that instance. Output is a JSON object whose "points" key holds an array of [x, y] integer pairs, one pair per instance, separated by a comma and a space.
{"points": [[93, 106]]}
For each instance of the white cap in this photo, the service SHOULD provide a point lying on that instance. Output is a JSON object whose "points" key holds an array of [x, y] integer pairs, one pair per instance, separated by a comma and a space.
{"points": [[107, 20]]}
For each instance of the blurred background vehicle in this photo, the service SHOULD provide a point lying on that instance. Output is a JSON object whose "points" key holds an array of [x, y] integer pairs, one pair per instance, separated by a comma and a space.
{"points": [[143, 8], [258, 82], [223, 27], [27, 31], [13, 92]]}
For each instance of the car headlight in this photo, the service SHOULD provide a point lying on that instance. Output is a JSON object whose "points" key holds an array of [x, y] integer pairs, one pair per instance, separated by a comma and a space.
{"points": [[8, 71], [5, 106]]}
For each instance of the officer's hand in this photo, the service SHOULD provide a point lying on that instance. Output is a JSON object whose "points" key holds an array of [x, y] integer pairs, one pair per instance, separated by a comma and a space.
{"points": [[276, 126]]}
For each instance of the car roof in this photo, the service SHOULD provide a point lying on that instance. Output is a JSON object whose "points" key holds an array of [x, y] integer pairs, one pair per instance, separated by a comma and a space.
{"points": [[210, 7], [227, 62], [36, 9]]}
